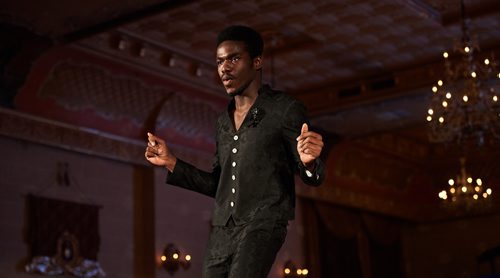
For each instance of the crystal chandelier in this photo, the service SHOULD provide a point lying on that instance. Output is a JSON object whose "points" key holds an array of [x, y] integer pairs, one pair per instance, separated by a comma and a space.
{"points": [[464, 190], [465, 104], [465, 110]]}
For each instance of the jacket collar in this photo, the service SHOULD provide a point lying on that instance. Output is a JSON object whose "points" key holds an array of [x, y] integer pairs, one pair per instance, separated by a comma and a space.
{"points": [[254, 115]]}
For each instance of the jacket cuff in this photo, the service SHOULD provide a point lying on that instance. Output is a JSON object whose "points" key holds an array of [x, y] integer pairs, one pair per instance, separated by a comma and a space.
{"points": [[314, 177], [176, 176]]}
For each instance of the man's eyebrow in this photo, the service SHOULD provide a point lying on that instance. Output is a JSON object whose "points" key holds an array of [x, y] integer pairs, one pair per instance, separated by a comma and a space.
{"points": [[229, 56]]}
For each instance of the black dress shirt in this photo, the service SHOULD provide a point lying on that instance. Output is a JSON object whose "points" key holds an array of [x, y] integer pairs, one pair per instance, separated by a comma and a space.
{"points": [[254, 167]]}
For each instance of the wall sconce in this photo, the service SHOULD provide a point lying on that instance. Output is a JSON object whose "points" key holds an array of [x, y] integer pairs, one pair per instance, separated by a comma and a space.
{"points": [[291, 271], [172, 260]]}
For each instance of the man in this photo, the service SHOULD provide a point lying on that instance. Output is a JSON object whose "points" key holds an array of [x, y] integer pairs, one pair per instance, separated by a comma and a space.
{"points": [[262, 140]]}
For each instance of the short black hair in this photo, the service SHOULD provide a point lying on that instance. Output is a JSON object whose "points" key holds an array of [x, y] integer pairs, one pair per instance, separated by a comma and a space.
{"points": [[251, 38]]}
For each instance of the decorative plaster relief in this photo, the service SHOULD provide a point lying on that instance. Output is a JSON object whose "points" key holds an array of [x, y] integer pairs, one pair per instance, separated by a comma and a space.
{"points": [[81, 86]]}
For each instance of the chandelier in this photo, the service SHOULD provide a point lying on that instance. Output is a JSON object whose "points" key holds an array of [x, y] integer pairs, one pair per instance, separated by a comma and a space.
{"points": [[465, 110], [465, 105], [465, 190]]}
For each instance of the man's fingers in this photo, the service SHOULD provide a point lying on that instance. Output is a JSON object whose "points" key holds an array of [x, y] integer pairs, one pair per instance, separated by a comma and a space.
{"points": [[308, 134], [311, 138], [154, 141], [304, 129], [312, 134], [310, 146], [312, 151], [151, 139], [152, 147], [149, 154]]}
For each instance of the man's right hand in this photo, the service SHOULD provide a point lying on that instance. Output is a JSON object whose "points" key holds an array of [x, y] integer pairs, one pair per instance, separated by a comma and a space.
{"points": [[157, 153]]}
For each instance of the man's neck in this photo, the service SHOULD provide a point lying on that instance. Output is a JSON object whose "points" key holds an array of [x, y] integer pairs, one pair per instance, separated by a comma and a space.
{"points": [[244, 101]]}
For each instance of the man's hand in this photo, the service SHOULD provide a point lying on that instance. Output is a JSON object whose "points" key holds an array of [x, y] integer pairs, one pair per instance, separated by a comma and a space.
{"points": [[309, 146], [157, 153]]}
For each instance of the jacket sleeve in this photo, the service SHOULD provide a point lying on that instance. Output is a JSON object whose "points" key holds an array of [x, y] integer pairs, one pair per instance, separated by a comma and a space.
{"points": [[189, 177], [294, 117]]}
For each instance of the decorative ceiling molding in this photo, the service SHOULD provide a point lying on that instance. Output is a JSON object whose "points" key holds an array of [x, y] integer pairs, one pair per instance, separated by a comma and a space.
{"points": [[88, 141], [154, 57], [81, 86], [67, 85], [192, 118], [374, 118], [60, 135], [424, 9]]}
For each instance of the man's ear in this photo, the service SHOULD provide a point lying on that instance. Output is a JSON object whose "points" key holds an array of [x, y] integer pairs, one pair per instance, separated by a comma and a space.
{"points": [[257, 62]]}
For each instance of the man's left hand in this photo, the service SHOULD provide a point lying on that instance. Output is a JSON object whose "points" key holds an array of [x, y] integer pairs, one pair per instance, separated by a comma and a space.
{"points": [[309, 146]]}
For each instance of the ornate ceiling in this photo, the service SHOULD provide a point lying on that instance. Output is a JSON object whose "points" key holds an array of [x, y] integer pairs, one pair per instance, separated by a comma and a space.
{"points": [[363, 68], [348, 60]]}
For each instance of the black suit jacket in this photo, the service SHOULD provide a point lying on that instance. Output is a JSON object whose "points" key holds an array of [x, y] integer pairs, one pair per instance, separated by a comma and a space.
{"points": [[254, 167]]}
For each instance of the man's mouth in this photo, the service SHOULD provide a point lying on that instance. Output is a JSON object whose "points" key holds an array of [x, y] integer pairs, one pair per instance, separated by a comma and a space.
{"points": [[227, 80]]}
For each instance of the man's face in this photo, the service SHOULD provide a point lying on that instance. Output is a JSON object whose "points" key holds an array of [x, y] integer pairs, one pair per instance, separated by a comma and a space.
{"points": [[235, 67]]}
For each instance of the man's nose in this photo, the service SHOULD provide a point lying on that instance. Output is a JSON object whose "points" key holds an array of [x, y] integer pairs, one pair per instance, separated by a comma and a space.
{"points": [[226, 65]]}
